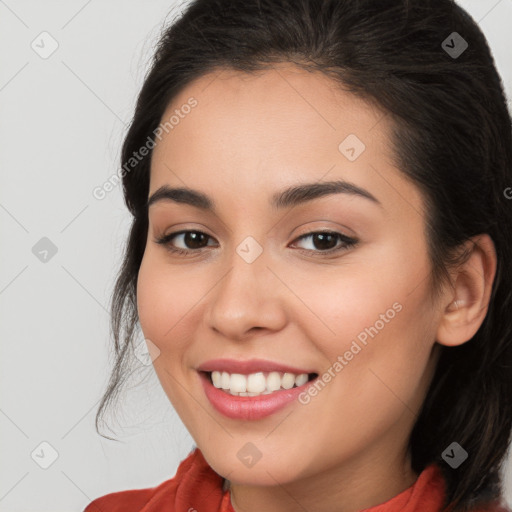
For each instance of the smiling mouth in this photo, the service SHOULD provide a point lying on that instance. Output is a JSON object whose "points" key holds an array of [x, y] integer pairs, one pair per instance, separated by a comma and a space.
{"points": [[258, 383]]}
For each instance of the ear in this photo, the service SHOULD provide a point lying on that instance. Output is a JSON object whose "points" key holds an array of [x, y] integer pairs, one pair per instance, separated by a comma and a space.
{"points": [[466, 303]]}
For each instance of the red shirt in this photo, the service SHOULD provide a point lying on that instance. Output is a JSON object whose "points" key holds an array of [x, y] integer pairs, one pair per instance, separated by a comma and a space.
{"points": [[197, 487]]}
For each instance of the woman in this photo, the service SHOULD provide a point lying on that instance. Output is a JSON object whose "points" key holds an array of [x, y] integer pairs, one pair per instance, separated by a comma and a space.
{"points": [[319, 257]]}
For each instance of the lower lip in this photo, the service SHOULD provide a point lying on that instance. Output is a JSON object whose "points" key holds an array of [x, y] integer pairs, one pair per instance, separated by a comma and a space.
{"points": [[249, 407]]}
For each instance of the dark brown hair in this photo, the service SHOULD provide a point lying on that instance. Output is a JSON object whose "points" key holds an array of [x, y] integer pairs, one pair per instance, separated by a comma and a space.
{"points": [[451, 136]]}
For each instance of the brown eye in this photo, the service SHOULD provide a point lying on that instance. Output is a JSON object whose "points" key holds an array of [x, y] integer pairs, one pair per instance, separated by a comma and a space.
{"points": [[194, 239], [327, 241], [189, 240]]}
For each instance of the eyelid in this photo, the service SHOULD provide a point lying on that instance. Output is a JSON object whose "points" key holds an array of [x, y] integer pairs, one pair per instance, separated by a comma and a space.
{"points": [[347, 242]]}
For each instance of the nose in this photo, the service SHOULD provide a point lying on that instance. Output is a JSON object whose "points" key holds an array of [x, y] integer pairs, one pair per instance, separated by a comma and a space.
{"points": [[248, 300]]}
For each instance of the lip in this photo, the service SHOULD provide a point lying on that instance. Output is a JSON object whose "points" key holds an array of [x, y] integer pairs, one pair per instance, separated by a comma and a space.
{"points": [[250, 407], [249, 366]]}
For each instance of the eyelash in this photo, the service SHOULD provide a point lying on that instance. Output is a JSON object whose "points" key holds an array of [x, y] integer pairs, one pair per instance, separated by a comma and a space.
{"points": [[347, 243]]}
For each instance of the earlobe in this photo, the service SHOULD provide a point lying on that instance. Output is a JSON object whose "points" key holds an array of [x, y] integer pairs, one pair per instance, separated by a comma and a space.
{"points": [[467, 302]]}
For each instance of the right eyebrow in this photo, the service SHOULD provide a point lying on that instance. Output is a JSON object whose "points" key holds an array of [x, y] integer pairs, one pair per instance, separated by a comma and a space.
{"points": [[182, 195]]}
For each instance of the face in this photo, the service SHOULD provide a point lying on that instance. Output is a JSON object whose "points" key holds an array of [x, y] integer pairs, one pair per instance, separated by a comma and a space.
{"points": [[330, 281]]}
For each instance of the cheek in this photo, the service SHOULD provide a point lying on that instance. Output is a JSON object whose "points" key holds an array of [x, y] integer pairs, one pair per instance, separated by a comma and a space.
{"points": [[381, 285], [164, 298], [378, 318]]}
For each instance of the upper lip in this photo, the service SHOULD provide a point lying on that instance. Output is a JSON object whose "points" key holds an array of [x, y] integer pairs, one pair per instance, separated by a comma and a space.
{"points": [[249, 366]]}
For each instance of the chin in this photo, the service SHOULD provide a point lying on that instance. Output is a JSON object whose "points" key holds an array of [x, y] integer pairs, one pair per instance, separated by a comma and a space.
{"points": [[265, 472]]}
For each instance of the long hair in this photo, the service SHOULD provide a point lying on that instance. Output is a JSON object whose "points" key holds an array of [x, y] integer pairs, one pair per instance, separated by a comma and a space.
{"points": [[451, 135]]}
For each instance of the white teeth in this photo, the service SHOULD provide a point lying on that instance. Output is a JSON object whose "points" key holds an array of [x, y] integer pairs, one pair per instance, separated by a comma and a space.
{"points": [[256, 383], [273, 381], [217, 379], [288, 380], [301, 379], [238, 383], [224, 381]]}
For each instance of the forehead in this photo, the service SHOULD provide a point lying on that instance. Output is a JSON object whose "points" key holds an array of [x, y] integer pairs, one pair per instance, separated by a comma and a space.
{"points": [[265, 130], [285, 101]]}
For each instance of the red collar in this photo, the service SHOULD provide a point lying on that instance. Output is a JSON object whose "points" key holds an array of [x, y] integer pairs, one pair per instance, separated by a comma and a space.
{"points": [[197, 487]]}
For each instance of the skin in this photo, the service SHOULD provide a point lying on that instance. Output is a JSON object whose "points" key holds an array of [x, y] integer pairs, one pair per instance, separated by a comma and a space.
{"points": [[249, 137]]}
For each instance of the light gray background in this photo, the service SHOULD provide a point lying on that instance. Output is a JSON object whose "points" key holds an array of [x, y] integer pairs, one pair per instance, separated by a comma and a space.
{"points": [[61, 126]]}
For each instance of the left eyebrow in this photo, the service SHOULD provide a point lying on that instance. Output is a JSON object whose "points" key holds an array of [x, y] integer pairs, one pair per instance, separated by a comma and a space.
{"points": [[307, 192], [291, 196]]}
